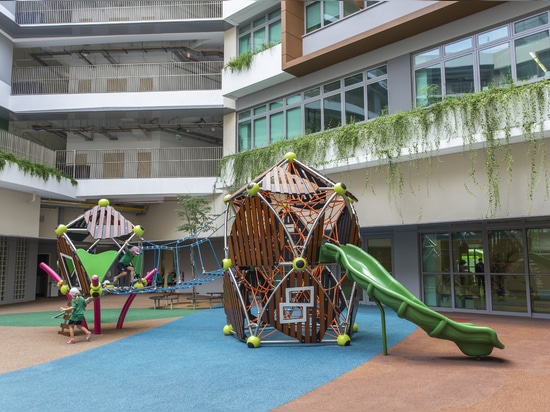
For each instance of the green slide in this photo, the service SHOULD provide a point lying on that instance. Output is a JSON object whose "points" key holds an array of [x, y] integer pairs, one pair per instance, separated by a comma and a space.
{"points": [[362, 268]]}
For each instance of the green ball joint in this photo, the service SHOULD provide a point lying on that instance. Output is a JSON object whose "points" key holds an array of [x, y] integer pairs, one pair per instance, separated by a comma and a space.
{"points": [[299, 264], [253, 342], [252, 189], [340, 188]]}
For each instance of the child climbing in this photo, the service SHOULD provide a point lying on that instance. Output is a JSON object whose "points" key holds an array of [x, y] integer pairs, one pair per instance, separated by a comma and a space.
{"points": [[77, 308], [125, 264]]}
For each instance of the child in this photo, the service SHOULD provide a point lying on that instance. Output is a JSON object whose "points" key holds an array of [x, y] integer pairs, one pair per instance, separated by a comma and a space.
{"points": [[125, 264], [78, 305]]}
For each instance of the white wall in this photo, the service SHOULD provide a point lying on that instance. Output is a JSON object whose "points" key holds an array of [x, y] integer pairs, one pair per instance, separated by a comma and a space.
{"points": [[19, 214], [442, 191]]}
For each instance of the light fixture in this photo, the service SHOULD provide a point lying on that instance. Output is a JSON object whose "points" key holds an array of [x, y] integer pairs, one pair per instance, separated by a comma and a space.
{"points": [[537, 60]]}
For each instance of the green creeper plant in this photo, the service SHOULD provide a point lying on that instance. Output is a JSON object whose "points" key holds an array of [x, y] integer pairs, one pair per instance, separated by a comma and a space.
{"points": [[485, 122]]}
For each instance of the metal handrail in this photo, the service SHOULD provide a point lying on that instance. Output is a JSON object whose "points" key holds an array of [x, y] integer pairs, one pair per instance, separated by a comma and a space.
{"points": [[117, 78], [168, 162], [100, 11]]}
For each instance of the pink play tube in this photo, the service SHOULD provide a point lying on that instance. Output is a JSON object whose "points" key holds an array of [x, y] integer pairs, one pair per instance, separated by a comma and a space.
{"points": [[148, 278], [97, 306]]}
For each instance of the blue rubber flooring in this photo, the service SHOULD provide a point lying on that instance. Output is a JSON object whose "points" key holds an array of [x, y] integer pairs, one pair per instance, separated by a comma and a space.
{"points": [[190, 365]]}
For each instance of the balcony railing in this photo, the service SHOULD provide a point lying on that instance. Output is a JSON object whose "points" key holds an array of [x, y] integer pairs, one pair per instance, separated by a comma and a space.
{"points": [[119, 164], [100, 11], [140, 163], [117, 78], [25, 149]]}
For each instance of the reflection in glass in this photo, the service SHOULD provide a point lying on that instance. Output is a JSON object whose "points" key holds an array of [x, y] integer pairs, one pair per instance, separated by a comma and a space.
{"points": [[313, 16], [355, 106], [245, 136], [438, 291], [276, 127], [532, 56], [506, 256], [435, 252], [509, 293], [377, 95], [293, 122], [469, 270], [458, 46], [538, 245], [459, 76], [332, 107], [312, 112], [492, 35], [540, 293], [506, 251], [495, 67], [380, 249], [428, 85], [260, 132]]}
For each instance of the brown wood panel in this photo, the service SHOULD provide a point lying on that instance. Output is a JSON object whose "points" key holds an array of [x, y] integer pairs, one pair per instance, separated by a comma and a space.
{"points": [[64, 247], [314, 243], [232, 307]]}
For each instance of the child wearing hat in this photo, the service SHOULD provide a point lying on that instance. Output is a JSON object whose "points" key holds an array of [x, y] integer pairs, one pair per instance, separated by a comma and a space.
{"points": [[77, 308]]}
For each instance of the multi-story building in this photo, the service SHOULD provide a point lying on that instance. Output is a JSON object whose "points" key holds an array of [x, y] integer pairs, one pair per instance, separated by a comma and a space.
{"points": [[434, 114]]}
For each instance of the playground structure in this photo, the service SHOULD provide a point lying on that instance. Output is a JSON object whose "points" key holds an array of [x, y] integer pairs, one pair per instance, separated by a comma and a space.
{"points": [[287, 233], [292, 227], [87, 269]]}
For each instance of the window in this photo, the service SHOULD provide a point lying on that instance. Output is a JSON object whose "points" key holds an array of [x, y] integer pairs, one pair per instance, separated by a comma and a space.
{"points": [[322, 13], [507, 269], [352, 99], [260, 33], [519, 51], [538, 243]]}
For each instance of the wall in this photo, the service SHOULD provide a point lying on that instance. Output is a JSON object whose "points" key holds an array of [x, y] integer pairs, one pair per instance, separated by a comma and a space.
{"points": [[442, 190], [19, 214]]}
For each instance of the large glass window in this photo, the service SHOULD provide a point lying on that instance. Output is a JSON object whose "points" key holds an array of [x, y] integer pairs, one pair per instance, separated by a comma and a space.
{"points": [[468, 274], [322, 13], [532, 56], [518, 51], [538, 244], [244, 136], [436, 269], [294, 122], [312, 113], [332, 111], [355, 105], [348, 100], [507, 268], [495, 66], [428, 85], [260, 33]]}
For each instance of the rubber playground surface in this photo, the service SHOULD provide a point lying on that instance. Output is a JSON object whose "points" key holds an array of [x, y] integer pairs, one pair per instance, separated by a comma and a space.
{"points": [[180, 359]]}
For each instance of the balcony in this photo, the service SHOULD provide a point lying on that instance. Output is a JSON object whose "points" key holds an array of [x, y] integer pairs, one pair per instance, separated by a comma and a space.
{"points": [[117, 78], [140, 174], [264, 72], [38, 12], [170, 162]]}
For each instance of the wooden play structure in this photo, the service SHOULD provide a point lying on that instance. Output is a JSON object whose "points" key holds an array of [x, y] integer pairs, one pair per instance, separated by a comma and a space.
{"points": [[275, 288]]}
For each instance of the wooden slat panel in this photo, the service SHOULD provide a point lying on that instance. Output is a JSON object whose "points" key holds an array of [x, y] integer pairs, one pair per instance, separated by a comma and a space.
{"points": [[232, 307], [63, 247], [314, 244]]}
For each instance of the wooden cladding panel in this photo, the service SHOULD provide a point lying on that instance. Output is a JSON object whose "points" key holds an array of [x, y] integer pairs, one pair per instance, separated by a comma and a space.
{"points": [[106, 222], [256, 237], [280, 180]]}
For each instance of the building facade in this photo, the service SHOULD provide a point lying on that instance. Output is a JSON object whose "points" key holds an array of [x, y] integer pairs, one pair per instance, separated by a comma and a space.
{"points": [[434, 114]]}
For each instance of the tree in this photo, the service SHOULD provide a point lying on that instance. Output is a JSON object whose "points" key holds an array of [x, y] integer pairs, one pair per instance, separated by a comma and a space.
{"points": [[195, 214]]}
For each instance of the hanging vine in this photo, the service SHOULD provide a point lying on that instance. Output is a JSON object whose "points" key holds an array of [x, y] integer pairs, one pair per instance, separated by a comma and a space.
{"points": [[485, 122], [34, 169]]}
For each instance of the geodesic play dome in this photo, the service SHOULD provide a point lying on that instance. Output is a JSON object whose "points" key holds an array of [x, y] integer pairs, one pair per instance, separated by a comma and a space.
{"points": [[275, 289]]}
